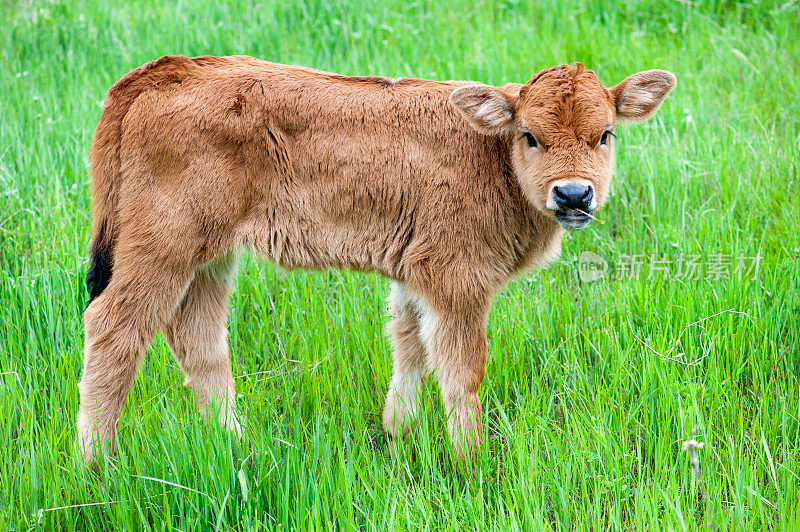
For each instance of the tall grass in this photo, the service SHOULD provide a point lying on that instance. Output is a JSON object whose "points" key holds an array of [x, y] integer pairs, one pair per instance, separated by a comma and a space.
{"points": [[591, 387]]}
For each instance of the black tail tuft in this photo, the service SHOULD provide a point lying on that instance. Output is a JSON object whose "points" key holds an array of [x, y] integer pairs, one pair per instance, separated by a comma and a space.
{"points": [[99, 274]]}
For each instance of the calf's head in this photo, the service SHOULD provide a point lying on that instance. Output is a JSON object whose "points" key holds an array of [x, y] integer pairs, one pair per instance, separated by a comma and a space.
{"points": [[559, 128]]}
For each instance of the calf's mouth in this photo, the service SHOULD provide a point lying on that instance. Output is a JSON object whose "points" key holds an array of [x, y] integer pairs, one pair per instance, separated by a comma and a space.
{"points": [[573, 219]]}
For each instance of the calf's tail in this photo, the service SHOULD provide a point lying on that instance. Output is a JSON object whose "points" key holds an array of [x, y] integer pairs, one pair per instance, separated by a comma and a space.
{"points": [[99, 273]]}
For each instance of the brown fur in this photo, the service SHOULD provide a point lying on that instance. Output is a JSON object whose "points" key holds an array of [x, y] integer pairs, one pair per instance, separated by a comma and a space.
{"points": [[194, 158]]}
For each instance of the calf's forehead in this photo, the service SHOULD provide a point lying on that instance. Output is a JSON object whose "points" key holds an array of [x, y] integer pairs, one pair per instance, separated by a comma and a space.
{"points": [[566, 100]]}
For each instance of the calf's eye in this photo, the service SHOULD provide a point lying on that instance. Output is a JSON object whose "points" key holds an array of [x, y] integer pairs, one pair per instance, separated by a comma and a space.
{"points": [[531, 139], [605, 137]]}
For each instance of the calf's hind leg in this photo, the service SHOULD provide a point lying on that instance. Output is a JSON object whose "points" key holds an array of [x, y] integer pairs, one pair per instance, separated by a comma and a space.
{"points": [[198, 338], [119, 324]]}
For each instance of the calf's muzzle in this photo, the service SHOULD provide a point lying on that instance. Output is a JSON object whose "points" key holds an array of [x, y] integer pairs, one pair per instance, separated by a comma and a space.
{"points": [[573, 196]]}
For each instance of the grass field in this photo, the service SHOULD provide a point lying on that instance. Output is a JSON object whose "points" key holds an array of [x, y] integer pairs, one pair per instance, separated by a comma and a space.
{"points": [[591, 388]]}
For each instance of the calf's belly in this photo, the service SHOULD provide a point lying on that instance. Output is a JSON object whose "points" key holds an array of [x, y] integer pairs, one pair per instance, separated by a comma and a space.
{"points": [[294, 243]]}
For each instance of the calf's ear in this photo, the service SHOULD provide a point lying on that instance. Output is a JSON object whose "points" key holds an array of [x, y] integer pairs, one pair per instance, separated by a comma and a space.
{"points": [[487, 109], [639, 96]]}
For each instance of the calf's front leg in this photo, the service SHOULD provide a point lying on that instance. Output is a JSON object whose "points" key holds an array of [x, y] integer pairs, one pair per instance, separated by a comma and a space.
{"points": [[403, 398], [454, 336]]}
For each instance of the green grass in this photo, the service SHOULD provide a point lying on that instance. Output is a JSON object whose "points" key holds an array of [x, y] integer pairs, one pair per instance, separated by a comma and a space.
{"points": [[586, 418]]}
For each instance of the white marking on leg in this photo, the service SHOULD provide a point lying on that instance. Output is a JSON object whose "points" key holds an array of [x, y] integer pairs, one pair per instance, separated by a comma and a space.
{"points": [[397, 297], [428, 324], [406, 386]]}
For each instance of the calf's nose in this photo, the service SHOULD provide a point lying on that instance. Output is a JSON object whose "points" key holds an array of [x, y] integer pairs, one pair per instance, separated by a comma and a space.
{"points": [[573, 196]]}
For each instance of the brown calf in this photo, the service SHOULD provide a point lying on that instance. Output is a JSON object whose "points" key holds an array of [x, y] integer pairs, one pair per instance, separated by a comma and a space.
{"points": [[450, 189]]}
